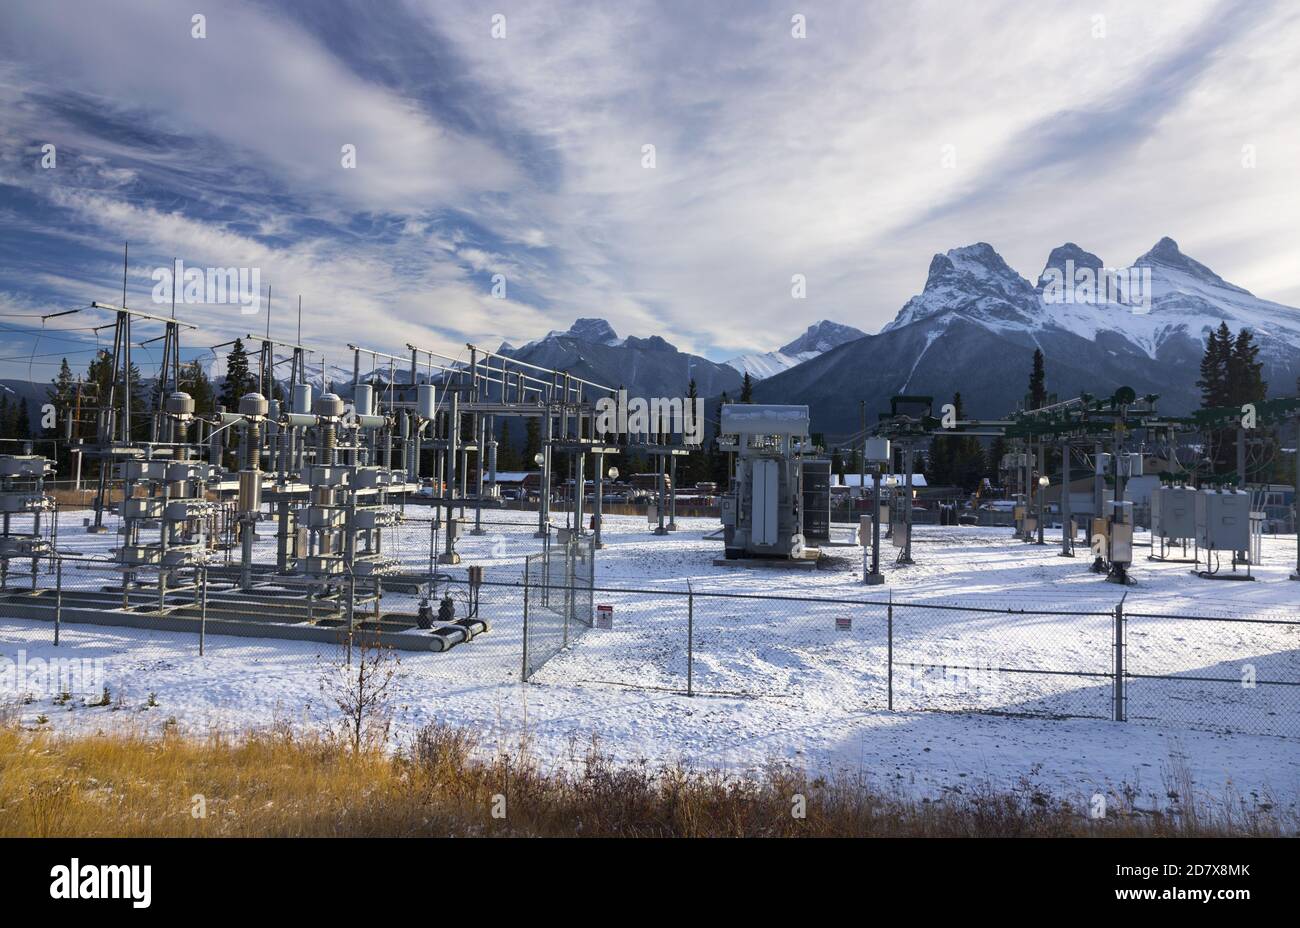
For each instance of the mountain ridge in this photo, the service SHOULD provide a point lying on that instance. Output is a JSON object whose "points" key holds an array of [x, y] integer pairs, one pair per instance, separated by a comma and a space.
{"points": [[976, 323], [817, 339]]}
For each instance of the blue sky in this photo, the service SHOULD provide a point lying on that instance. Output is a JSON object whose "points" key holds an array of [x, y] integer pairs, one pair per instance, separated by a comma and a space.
{"points": [[890, 132]]}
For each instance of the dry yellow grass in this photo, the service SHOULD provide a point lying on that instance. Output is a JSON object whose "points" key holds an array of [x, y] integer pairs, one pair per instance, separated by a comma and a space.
{"points": [[283, 784]]}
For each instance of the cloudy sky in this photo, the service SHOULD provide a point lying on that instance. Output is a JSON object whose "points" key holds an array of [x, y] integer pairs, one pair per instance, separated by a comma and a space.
{"points": [[888, 132]]}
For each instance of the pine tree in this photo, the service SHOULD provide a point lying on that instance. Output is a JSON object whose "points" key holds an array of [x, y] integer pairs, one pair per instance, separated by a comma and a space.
{"points": [[942, 454], [967, 462], [945, 450], [997, 450], [1213, 381], [61, 394], [238, 378], [505, 449], [100, 374], [532, 442], [747, 389], [1243, 374], [1038, 382], [194, 381], [23, 421]]}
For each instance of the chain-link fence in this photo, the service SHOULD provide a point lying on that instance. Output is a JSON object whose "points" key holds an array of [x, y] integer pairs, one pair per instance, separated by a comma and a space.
{"points": [[1176, 671], [557, 601], [209, 640], [953, 657], [92, 636], [1011, 661]]}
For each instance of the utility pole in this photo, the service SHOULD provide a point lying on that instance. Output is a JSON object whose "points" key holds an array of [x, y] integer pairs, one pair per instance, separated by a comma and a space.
{"points": [[874, 577], [862, 461], [1067, 517], [1042, 489]]}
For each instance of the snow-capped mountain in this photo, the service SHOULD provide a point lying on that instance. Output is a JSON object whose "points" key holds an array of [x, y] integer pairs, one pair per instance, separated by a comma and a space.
{"points": [[975, 325], [819, 338], [591, 349]]}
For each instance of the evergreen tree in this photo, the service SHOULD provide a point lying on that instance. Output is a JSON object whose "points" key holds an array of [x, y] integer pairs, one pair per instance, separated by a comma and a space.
{"points": [[747, 389], [997, 450], [532, 442], [966, 464], [1231, 375], [22, 421], [100, 375], [970, 466], [942, 454], [1214, 368], [238, 378], [61, 394], [1037, 382], [1244, 372], [945, 450], [507, 459], [194, 381]]}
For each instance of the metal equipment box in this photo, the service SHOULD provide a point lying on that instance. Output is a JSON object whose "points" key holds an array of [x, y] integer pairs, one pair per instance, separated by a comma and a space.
{"points": [[817, 499], [1173, 513], [1223, 520], [143, 508], [1099, 527], [1121, 543]]}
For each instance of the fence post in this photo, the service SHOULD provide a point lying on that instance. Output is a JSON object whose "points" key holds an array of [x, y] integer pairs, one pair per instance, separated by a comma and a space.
{"points": [[58, 598], [889, 648], [690, 639], [1118, 635], [203, 608], [352, 612], [523, 672], [568, 588]]}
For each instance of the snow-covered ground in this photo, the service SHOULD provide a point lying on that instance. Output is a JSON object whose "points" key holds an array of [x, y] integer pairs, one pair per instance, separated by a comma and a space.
{"points": [[782, 679]]}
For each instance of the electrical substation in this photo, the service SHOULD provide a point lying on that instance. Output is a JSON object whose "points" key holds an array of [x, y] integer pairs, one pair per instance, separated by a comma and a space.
{"points": [[1111, 437], [349, 503], [274, 519]]}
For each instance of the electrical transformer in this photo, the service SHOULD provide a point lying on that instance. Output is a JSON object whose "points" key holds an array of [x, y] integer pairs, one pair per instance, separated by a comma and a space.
{"points": [[1173, 513], [1223, 520], [763, 514]]}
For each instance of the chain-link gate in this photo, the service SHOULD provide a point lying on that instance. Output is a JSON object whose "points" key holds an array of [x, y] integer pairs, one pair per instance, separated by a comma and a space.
{"points": [[558, 599]]}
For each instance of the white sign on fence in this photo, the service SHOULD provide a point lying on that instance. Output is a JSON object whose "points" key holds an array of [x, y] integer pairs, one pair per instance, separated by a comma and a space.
{"points": [[604, 616]]}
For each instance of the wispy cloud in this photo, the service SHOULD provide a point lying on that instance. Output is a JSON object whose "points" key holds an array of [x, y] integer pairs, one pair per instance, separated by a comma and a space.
{"points": [[890, 132]]}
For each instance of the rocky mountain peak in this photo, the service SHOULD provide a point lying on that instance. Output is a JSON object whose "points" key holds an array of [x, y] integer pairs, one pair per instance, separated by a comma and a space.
{"points": [[973, 279], [590, 329], [1166, 255], [822, 336], [1065, 256]]}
